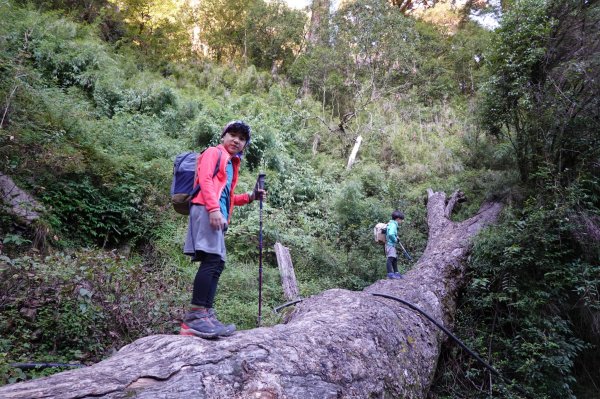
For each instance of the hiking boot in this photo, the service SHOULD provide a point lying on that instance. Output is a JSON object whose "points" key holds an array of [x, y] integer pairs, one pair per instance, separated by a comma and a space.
{"points": [[200, 323], [227, 330], [391, 276], [398, 275]]}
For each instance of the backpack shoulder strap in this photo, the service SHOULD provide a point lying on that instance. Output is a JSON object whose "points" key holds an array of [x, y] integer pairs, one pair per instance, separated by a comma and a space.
{"points": [[218, 165]]}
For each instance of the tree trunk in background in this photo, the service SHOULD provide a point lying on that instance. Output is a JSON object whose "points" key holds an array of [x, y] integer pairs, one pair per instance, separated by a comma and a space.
{"points": [[338, 344], [319, 23], [317, 32], [286, 271], [315, 144], [352, 157]]}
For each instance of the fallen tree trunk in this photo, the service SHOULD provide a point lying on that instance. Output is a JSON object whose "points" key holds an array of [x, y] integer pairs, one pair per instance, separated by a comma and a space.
{"points": [[339, 344]]}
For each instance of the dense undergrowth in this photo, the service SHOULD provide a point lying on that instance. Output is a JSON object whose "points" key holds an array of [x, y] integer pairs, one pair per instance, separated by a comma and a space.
{"points": [[91, 126]]}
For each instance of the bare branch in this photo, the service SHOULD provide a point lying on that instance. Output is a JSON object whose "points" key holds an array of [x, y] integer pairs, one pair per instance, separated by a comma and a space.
{"points": [[456, 197]]}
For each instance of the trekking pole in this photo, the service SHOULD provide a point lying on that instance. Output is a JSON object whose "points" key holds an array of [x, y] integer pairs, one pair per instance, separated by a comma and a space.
{"points": [[404, 251], [260, 183]]}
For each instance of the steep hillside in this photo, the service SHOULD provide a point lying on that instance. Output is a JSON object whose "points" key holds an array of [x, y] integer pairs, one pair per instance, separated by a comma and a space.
{"points": [[97, 98]]}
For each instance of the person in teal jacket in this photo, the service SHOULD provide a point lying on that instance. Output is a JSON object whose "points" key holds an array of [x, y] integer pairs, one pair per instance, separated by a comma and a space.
{"points": [[391, 240]]}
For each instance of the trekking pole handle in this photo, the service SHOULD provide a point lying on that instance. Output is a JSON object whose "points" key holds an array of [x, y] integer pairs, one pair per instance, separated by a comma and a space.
{"points": [[260, 185], [260, 181]]}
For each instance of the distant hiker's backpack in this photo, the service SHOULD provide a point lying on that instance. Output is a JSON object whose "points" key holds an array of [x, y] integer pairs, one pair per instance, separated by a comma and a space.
{"points": [[379, 232], [184, 175]]}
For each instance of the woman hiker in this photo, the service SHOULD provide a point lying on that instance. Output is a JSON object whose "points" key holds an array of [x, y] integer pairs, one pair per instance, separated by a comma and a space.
{"points": [[210, 214]]}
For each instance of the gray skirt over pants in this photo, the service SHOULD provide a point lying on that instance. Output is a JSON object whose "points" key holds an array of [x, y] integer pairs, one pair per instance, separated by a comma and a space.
{"points": [[201, 236], [390, 251]]}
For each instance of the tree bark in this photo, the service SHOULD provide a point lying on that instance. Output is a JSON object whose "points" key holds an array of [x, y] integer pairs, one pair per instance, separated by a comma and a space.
{"points": [[286, 271], [338, 344], [19, 203], [319, 22]]}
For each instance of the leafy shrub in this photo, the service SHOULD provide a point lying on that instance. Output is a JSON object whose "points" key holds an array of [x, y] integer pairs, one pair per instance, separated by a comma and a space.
{"points": [[67, 53], [79, 307], [373, 180], [107, 96], [176, 119], [205, 130], [251, 80], [237, 300], [92, 215], [522, 294]]}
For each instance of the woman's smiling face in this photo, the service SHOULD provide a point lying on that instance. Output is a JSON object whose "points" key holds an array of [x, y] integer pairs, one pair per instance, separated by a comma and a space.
{"points": [[234, 142]]}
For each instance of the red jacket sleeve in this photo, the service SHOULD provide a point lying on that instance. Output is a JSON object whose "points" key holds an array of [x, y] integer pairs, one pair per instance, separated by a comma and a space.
{"points": [[241, 199], [204, 176]]}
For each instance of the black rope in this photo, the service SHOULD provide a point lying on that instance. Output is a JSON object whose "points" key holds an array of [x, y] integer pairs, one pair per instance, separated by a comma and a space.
{"points": [[285, 305], [441, 327], [458, 341]]}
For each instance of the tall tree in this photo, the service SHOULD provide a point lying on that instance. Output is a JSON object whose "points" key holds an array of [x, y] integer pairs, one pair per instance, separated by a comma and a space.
{"points": [[274, 34], [317, 36], [371, 53], [543, 100], [544, 93], [407, 6], [378, 41], [224, 29], [156, 27], [319, 22]]}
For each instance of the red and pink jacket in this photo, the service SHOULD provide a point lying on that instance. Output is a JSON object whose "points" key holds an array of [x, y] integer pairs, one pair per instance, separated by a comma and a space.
{"points": [[211, 188]]}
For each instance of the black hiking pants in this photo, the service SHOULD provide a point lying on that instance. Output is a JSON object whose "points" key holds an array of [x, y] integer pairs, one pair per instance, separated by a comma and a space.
{"points": [[392, 264], [207, 279]]}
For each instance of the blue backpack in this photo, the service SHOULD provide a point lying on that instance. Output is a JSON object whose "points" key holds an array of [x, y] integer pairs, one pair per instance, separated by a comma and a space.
{"points": [[184, 175]]}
